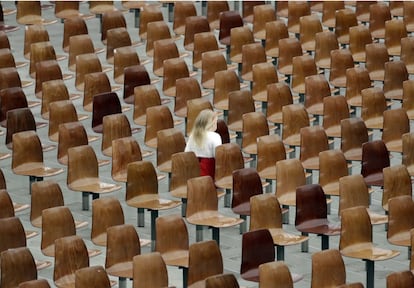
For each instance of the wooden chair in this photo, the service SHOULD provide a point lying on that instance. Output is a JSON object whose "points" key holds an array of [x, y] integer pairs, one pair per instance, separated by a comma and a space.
{"points": [[85, 64], [325, 42], [9, 77], [341, 60], [263, 74], [203, 42], [85, 178], [395, 30], [46, 194], [39, 283], [73, 26], [200, 254], [142, 193], [123, 244], [134, 76], [362, 10], [376, 57], [106, 212], [378, 15], [295, 11], [174, 69], [267, 214], [357, 79], [254, 125], [49, 70], [275, 30], [278, 95], [356, 241], [400, 279], [396, 182], [172, 242], [89, 276], [7, 59], [407, 56], [294, 118], [344, 19], [353, 192], [303, 67], [33, 34], [332, 166], [149, 270], [202, 208], [270, 149], [106, 103], [329, 13], [309, 25], [194, 25], [211, 62], [187, 88], [13, 98], [70, 255], [407, 157], [116, 38], [396, 123], [373, 106], [239, 36], [27, 157], [182, 10], [227, 21], [225, 81], [359, 36], [29, 13], [246, 183], [288, 48], [124, 57], [151, 13], [274, 272], [95, 83], [145, 96], [248, 10], [313, 140], [78, 45], [394, 76], [354, 134], [70, 9], [158, 118], [170, 141], [17, 266], [311, 214], [6, 205], [316, 88], [375, 157], [156, 30], [257, 249], [52, 90], [335, 109], [111, 19], [223, 280], [5, 27], [252, 54], [213, 12], [163, 49], [41, 51], [115, 126], [15, 236]]}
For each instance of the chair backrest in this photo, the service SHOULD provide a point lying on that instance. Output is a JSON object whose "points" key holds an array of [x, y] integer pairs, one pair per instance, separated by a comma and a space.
{"points": [[52, 90], [222, 280], [184, 166], [152, 13], [201, 196], [240, 102], [170, 141], [71, 134], [356, 228], [92, 276], [263, 74], [17, 266], [334, 110], [309, 25], [193, 26], [115, 126], [158, 118], [397, 181], [123, 57], [353, 192], [275, 30], [181, 11], [71, 255], [275, 272], [85, 64], [124, 151], [359, 36], [325, 42], [375, 157], [257, 249], [11, 98], [149, 270], [13, 234], [402, 279], [141, 179], [106, 212], [254, 125], [111, 20], [354, 133], [187, 88], [310, 204], [82, 164], [144, 96], [39, 283], [290, 174], [328, 269], [313, 140], [294, 117], [18, 120], [399, 221], [105, 103], [134, 76], [246, 183], [203, 42], [396, 123], [278, 95], [116, 38], [332, 166], [228, 158], [60, 112], [239, 36], [163, 49], [213, 12], [265, 212], [204, 260], [121, 247], [344, 20], [407, 152], [295, 11], [227, 21], [76, 40], [26, 149], [394, 76], [316, 90], [270, 149], [95, 83], [6, 205], [57, 222]]}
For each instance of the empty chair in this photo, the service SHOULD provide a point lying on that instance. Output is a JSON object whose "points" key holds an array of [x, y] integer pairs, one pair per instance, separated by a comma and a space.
{"points": [[212, 62], [52, 90], [394, 76], [357, 79], [294, 118], [73, 26], [239, 36], [316, 90], [213, 12], [203, 42], [394, 30], [30, 12], [222, 280], [158, 118], [149, 270], [407, 56], [396, 123], [17, 266], [202, 208], [170, 141], [335, 109], [311, 214], [111, 20], [252, 54], [375, 157], [275, 30], [142, 193], [261, 15], [27, 157], [303, 67], [296, 10], [396, 183], [156, 31], [288, 48], [182, 10], [85, 178], [9, 77], [325, 42], [89, 276], [70, 255], [341, 60], [151, 13], [379, 13], [353, 192], [407, 156], [123, 244], [174, 69], [329, 12], [407, 17], [40, 51], [254, 125], [270, 149], [225, 82], [356, 241], [362, 10], [163, 49], [187, 88], [267, 214], [332, 166], [123, 57], [227, 21], [278, 95], [376, 57], [144, 96], [193, 26], [85, 64], [134, 76], [78, 45], [359, 36], [11, 98], [117, 37], [106, 103], [309, 25], [344, 20], [403, 279], [48, 70], [95, 83], [373, 106], [33, 34], [275, 272], [115, 126], [263, 74]]}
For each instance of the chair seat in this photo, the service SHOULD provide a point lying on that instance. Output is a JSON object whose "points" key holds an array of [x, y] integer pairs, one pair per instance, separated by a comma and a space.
{"points": [[394, 146], [260, 96], [276, 118], [67, 281], [319, 226], [177, 258], [376, 179], [288, 199], [236, 126], [123, 270], [225, 182], [334, 131], [242, 209], [213, 219], [37, 170], [165, 167], [181, 192], [401, 239], [377, 75], [268, 173], [93, 185], [283, 238], [377, 218], [393, 94], [369, 252], [311, 163], [293, 140], [359, 56], [250, 149], [152, 202], [354, 154], [375, 123], [331, 189]]}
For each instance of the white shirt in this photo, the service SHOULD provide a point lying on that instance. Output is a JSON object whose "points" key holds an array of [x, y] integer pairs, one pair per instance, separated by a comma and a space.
{"points": [[212, 140]]}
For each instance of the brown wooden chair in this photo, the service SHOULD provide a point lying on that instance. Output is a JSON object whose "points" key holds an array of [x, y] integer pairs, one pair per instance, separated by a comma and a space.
{"points": [[149, 270], [172, 242], [294, 118], [29, 13], [316, 88], [407, 156], [400, 279], [227, 21], [89, 276], [142, 193], [309, 25], [275, 272], [394, 76], [313, 140], [295, 11], [303, 67], [111, 19], [134, 76], [202, 208], [174, 69], [357, 79], [182, 10], [359, 36], [158, 118], [9, 77], [396, 123], [263, 74], [396, 182], [27, 157], [5, 27], [278, 95], [163, 49], [49, 70], [151, 13], [85, 178], [395, 30], [275, 30], [124, 57], [239, 36], [156, 30], [378, 15], [70, 255], [95, 83], [222, 280], [254, 125], [356, 241], [41, 51], [14, 236], [376, 57], [39, 283], [375, 157], [225, 82], [270, 149], [332, 166], [329, 12], [288, 48], [123, 244], [69, 9], [13, 98], [85, 64], [267, 214], [362, 10], [335, 109], [7, 59], [115, 126], [407, 56], [353, 134], [194, 25], [203, 42], [373, 106], [73, 26], [78, 45], [408, 18], [52, 90], [106, 103], [353, 192], [187, 88], [145, 96], [211, 62], [325, 42], [341, 60], [17, 266], [311, 214], [33, 34], [344, 20], [116, 38], [170, 141], [213, 12]]}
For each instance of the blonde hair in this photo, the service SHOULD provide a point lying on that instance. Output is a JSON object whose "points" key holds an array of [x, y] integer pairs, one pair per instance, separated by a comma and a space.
{"points": [[203, 123]]}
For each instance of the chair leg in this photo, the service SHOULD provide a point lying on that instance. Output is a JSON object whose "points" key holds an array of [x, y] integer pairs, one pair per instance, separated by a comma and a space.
{"points": [[33, 179], [216, 234], [227, 198], [85, 201], [140, 216], [154, 215], [370, 273], [183, 206], [325, 242], [280, 253], [185, 276], [305, 244], [199, 233], [243, 225], [122, 282]]}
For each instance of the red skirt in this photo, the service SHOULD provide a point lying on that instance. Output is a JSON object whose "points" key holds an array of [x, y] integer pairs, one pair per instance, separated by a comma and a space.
{"points": [[207, 166]]}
